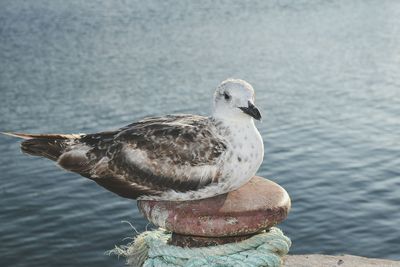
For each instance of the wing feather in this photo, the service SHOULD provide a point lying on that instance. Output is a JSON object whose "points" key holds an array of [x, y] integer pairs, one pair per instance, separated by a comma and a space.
{"points": [[174, 153], [180, 153]]}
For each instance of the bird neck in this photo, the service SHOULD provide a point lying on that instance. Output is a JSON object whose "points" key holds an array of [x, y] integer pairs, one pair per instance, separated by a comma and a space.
{"points": [[237, 121]]}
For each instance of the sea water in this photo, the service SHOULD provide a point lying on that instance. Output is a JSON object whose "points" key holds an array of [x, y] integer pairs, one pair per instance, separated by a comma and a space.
{"points": [[327, 80]]}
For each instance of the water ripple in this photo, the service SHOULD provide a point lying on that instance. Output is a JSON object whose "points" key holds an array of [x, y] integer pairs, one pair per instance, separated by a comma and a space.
{"points": [[328, 89]]}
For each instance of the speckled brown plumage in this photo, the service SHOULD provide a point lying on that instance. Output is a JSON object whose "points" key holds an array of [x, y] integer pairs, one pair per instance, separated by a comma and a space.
{"points": [[178, 140], [174, 157]]}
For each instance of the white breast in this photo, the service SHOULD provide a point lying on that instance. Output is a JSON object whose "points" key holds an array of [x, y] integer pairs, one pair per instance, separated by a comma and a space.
{"points": [[246, 152]]}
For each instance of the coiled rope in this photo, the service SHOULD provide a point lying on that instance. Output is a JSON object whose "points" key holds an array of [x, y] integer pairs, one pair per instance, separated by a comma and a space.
{"points": [[150, 249]]}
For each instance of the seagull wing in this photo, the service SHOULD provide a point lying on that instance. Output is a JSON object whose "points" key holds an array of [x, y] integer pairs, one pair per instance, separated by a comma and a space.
{"points": [[152, 156]]}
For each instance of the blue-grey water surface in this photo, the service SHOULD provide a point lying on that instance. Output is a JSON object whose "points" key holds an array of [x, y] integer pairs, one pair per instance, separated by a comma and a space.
{"points": [[326, 75]]}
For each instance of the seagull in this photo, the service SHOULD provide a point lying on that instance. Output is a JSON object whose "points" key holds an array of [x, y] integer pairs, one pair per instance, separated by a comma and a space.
{"points": [[172, 157]]}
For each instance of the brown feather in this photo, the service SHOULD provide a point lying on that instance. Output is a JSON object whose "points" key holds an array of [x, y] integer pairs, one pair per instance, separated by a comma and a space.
{"points": [[104, 158]]}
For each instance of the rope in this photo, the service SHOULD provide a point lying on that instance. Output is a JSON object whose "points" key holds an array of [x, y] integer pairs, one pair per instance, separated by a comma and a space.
{"points": [[150, 249]]}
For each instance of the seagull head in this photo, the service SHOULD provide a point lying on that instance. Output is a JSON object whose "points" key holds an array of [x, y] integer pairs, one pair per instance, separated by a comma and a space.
{"points": [[234, 100]]}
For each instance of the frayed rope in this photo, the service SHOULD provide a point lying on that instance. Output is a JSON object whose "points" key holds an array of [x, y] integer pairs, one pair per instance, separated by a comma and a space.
{"points": [[150, 249]]}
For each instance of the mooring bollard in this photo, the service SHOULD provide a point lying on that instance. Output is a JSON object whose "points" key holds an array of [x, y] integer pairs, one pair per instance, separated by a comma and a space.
{"points": [[235, 216], [234, 229]]}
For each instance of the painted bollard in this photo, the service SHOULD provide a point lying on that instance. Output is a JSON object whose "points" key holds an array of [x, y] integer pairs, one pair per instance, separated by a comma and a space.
{"points": [[235, 216]]}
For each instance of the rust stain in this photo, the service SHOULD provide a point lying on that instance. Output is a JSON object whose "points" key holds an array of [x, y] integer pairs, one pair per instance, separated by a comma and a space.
{"points": [[258, 205]]}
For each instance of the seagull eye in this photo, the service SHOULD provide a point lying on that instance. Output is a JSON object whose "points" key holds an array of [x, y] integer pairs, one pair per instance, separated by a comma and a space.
{"points": [[226, 96]]}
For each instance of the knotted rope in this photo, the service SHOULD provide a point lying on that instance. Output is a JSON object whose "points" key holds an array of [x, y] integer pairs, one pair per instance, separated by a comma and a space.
{"points": [[150, 249]]}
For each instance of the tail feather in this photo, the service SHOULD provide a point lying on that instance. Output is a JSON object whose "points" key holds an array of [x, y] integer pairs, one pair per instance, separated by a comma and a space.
{"points": [[50, 146], [46, 136], [42, 147]]}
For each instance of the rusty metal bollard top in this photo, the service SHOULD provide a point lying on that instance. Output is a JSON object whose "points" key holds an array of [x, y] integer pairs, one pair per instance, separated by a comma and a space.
{"points": [[258, 205]]}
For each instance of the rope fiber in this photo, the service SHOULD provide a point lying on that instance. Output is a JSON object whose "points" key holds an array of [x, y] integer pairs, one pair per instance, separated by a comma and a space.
{"points": [[150, 249]]}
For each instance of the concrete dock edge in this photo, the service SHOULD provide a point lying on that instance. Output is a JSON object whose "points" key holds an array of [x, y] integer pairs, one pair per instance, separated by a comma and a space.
{"points": [[318, 260]]}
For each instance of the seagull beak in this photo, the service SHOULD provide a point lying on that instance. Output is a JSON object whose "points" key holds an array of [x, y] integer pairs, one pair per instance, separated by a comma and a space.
{"points": [[252, 111]]}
